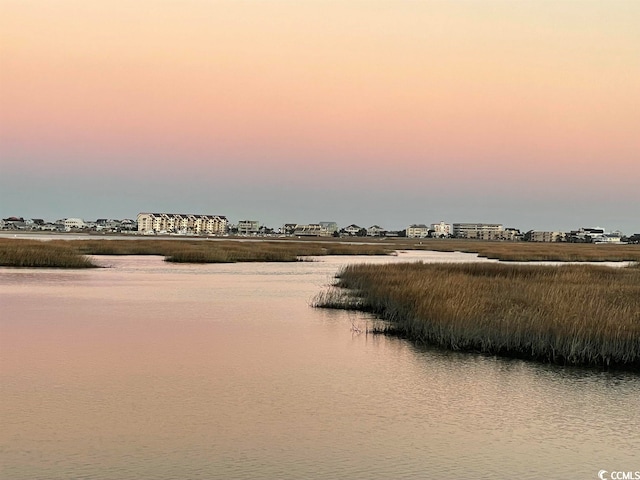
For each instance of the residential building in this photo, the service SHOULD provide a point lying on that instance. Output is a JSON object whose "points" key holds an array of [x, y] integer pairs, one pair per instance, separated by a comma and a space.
{"points": [[107, 224], [182, 223], [419, 230], [352, 230], [288, 228], [34, 223], [586, 234], [74, 224], [13, 223], [539, 236], [322, 229], [512, 234], [329, 227], [479, 231], [128, 225], [375, 231], [248, 227], [310, 230], [611, 238], [441, 229]]}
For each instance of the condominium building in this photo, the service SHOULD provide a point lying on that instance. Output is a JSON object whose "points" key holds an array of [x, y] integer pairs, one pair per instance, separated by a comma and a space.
{"points": [[248, 227], [480, 231], [441, 229], [417, 231], [184, 223], [74, 224], [538, 236]]}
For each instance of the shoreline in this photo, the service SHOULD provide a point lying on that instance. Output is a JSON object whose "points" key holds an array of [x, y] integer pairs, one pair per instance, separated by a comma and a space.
{"points": [[574, 315]]}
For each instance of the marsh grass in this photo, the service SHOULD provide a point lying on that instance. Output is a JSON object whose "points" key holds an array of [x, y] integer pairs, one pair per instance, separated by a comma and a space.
{"points": [[529, 251], [229, 251], [225, 251], [69, 253], [34, 253], [570, 315]]}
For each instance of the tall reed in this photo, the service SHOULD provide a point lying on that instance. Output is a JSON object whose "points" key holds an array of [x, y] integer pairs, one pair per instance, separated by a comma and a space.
{"points": [[33, 253], [573, 315]]}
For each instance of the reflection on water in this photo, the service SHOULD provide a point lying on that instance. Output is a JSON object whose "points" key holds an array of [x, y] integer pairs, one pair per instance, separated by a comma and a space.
{"points": [[154, 370]]}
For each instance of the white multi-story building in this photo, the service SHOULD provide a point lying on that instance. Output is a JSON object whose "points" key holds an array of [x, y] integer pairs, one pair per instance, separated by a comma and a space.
{"points": [[441, 229], [182, 223], [74, 223]]}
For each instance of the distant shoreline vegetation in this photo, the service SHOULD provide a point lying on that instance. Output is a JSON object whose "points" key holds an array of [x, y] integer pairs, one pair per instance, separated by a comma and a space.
{"points": [[60, 253], [581, 315]]}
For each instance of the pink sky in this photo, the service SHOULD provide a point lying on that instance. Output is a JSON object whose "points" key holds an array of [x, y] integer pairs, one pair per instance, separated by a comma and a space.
{"points": [[440, 96]]}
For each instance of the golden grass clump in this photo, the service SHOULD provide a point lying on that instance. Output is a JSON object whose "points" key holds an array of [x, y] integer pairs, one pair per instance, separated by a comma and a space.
{"points": [[229, 252], [34, 253], [265, 251], [571, 315]]}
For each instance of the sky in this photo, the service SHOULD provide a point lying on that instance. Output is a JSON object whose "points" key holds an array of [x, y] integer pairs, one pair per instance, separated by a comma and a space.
{"points": [[525, 113]]}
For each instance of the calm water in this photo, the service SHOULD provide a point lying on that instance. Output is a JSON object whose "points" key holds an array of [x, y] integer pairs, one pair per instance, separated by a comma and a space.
{"points": [[161, 371]]}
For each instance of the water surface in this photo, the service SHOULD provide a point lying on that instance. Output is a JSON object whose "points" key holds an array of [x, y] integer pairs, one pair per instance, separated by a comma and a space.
{"points": [[157, 370]]}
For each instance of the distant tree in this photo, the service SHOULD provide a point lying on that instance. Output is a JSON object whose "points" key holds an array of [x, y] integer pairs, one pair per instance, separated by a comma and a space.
{"points": [[635, 238], [362, 232]]}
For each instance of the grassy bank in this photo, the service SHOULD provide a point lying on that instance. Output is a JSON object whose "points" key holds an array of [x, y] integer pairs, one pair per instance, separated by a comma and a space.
{"points": [[70, 253], [225, 251], [529, 251], [34, 253], [571, 315]]}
